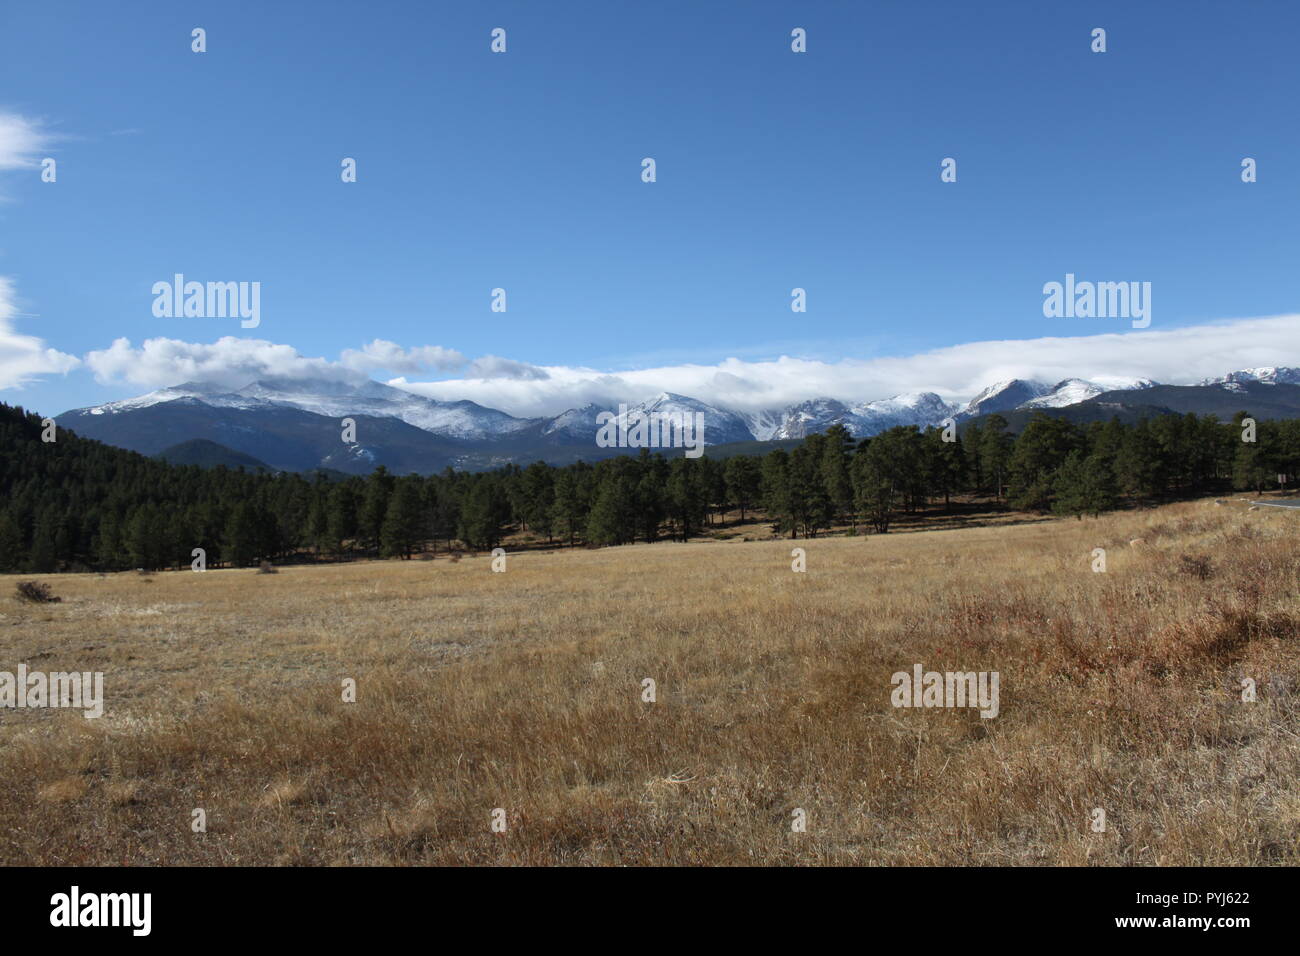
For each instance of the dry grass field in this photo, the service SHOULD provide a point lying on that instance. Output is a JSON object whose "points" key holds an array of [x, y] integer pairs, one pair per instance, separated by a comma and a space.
{"points": [[522, 690]]}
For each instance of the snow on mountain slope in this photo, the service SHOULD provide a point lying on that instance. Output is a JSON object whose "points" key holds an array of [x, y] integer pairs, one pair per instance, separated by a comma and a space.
{"points": [[334, 399], [1267, 375], [810, 417], [720, 426], [918, 408], [213, 395], [462, 419], [862, 419], [577, 424], [1019, 393], [469, 421], [763, 425], [1004, 396], [1071, 391]]}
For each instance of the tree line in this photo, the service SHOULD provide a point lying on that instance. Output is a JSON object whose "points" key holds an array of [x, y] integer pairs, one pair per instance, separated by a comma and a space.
{"points": [[78, 504]]}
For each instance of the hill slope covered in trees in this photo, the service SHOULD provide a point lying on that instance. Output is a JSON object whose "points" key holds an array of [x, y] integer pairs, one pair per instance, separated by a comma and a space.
{"points": [[77, 504]]}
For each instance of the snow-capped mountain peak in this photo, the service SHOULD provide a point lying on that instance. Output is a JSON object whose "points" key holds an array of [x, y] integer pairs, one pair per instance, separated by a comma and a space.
{"points": [[720, 425], [1265, 375], [1004, 396], [467, 421], [1071, 391], [862, 419], [208, 394]]}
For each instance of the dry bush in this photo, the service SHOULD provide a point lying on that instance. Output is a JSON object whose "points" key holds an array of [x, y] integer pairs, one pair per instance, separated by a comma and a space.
{"points": [[35, 592], [1197, 565]]}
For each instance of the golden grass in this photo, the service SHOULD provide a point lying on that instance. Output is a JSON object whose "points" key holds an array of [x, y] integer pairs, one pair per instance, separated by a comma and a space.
{"points": [[522, 691]]}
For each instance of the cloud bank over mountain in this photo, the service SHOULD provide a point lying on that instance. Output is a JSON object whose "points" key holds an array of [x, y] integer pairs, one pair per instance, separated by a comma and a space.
{"points": [[956, 373]]}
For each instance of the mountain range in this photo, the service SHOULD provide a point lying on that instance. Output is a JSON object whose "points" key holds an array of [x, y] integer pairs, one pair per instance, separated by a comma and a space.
{"points": [[296, 425]]}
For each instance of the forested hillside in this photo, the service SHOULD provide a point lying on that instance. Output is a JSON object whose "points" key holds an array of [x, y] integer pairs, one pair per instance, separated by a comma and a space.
{"points": [[77, 504]]}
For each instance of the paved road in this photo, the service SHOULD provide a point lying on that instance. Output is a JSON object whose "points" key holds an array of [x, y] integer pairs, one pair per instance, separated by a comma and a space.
{"points": [[1275, 504]]}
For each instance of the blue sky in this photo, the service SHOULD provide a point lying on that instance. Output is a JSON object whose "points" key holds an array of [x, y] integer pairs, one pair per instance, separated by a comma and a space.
{"points": [[522, 170]]}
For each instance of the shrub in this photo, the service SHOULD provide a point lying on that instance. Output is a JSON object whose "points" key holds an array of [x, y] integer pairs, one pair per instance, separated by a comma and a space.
{"points": [[35, 592], [1198, 566]]}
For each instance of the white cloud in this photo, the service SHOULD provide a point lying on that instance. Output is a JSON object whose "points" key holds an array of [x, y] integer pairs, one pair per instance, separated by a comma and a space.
{"points": [[1177, 356], [21, 141], [229, 361], [957, 373], [391, 357], [493, 366], [24, 357]]}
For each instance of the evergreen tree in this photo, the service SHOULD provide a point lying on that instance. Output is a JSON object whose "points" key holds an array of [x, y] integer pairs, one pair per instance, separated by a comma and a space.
{"points": [[995, 452], [341, 519], [603, 523], [744, 477], [1084, 485], [405, 523], [11, 543], [484, 514], [569, 510], [1250, 464], [778, 498], [1136, 468], [686, 497], [242, 536], [650, 510], [876, 478], [1040, 449], [374, 508], [837, 484], [538, 483]]}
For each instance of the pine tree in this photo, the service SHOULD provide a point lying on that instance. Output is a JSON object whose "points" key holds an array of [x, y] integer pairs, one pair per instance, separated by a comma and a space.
{"points": [[1136, 467], [995, 452], [1044, 444], [404, 524], [11, 543], [1250, 465], [538, 483], [484, 513], [875, 480], [242, 536], [744, 476], [603, 521], [686, 496], [374, 507], [341, 518], [650, 510], [1083, 485], [778, 499], [835, 472], [568, 510], [812, 509]]}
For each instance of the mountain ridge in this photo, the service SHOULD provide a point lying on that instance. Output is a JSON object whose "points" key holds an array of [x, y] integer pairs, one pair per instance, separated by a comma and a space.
{"points": [[298, 425]]}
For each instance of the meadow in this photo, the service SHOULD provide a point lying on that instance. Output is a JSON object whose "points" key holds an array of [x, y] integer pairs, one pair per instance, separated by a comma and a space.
{"points": [[523, 691]]}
